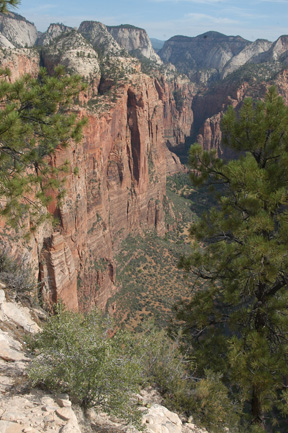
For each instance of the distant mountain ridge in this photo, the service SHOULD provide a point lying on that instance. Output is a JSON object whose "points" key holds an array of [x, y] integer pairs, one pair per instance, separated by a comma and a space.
{"points": [[205, 58], [206, 54]]}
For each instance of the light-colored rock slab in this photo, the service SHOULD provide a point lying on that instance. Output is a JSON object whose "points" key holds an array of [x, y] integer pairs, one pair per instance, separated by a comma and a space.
{"points": [[70, 427], [66, 413], [20, 315], [10, 427], [2, 296], [158, 419], [10, 349]]}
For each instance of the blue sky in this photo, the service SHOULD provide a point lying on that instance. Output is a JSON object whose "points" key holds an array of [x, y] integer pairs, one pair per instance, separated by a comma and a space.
{"points": [[251, 19]]}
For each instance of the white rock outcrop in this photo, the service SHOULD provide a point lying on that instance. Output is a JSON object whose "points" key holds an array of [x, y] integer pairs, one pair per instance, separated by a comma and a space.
{"points": [[134, 39], [17, 30], [158, 419]]}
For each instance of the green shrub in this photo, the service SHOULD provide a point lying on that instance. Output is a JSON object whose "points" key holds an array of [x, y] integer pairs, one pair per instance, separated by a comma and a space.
{"points": [[163, 366], [77, 355]]}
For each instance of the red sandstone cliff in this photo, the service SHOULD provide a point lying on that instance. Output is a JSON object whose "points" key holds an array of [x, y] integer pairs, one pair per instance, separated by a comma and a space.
{"points": [[122, 163], [118, 190]]}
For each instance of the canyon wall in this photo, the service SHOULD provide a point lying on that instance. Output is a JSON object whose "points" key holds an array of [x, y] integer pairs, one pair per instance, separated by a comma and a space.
{"points": [[122, 163], [136, 123]]}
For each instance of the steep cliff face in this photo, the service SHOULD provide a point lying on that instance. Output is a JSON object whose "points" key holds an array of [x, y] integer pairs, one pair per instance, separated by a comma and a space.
{"points": [[121, 165], [134, 40], [177, 95], [20, 61], [133, 121], [209, 107], [119, 190]]}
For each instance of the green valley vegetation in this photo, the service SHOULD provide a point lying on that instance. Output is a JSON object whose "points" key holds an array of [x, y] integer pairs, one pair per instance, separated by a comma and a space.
{"points": [[236, 323], [36, 118], [82, 355]]}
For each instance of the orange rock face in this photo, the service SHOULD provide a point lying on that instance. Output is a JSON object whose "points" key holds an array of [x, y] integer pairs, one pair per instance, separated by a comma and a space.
{"points": [[118, 189]]}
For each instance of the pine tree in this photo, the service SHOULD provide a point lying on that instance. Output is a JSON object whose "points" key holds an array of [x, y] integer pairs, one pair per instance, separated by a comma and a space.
{"points": [[6, 4], [237, 320], [34, 121]]}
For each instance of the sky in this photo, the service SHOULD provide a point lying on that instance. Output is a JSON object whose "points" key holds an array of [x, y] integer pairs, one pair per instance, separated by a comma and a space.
{"points": [[162, 19]]}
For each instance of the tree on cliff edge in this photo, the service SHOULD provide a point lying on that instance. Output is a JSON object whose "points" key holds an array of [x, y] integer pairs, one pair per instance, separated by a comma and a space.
{"points": [[34, 121], [237, 322], [36, 117]]}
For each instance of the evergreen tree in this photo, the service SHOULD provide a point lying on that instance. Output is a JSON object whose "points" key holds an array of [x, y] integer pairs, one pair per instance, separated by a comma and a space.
{"points": [[6, 4], [237, 320], [34, 121]]}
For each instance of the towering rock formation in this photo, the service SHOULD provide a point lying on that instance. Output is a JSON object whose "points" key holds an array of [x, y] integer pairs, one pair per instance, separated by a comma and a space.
{"points": [[135, 120], [73, 51], [54, 31], [119, 190], [135, 41], [97, 34]]}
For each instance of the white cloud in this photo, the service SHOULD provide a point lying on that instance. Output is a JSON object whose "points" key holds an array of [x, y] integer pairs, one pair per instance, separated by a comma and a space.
{"points": [[211, 18]]}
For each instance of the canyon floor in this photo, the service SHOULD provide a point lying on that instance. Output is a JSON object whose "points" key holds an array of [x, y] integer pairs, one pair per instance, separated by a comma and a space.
{"points": [[147, 266]]}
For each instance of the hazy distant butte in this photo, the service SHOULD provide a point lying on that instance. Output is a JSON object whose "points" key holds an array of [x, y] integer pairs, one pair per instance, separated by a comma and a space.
{"points": [[275, 51], [250, 51]]}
